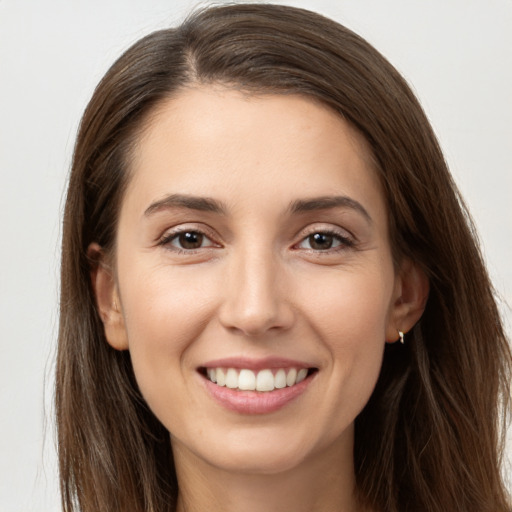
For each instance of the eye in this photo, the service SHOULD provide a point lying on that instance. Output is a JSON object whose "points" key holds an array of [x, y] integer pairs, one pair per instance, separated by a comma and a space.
{"points": [[187, 240], [323, 241]]}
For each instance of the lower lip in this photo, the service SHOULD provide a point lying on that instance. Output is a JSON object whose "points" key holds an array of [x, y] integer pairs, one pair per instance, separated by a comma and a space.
{"points": [[256, 402]]}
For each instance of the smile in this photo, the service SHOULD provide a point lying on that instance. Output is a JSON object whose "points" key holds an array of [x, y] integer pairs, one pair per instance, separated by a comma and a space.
{"points": [[264, 380], [256, 386]]}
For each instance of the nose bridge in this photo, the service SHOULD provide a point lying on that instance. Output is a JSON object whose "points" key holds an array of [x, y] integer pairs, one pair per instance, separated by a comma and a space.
{"points": [[254, 300]]}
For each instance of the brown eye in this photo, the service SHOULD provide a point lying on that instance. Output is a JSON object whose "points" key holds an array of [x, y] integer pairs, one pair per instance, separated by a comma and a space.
{"points": [[325, 241], [189, 240], [320, 241]]}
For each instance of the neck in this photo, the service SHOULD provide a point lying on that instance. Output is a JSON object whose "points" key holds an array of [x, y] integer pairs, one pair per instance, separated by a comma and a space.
{"points": [[323, 483]]}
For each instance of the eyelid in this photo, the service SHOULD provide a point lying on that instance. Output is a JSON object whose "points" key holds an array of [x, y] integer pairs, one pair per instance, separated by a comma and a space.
{"points": [[322, 227], [171, 233], [346, 237]]}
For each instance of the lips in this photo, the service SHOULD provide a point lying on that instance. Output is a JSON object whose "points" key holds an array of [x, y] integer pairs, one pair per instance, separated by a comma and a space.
{"points": [[256, 386]]}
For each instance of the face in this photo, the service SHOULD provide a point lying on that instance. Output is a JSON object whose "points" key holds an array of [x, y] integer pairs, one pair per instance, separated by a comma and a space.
{"points": [[253, 250]]}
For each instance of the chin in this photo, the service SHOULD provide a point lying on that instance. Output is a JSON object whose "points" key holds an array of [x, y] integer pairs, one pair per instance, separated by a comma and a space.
{"points": [[268, 450]]}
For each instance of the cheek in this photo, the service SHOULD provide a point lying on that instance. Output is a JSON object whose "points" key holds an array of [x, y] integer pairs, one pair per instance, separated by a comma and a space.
{"points": [[351, 307], [164, 307], [350, 319], [164, 313]]}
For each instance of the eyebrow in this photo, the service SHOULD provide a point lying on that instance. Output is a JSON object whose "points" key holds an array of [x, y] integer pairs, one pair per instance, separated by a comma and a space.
{"points": [[328, 202], [206, 204], [203, 204]]}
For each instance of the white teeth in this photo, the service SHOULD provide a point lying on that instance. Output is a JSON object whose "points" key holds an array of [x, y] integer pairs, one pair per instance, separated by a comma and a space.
{"points": [[291, 378], [221, 377], [232, 378], [280, 379], [264, 380], [301, 375], [247, 380]]}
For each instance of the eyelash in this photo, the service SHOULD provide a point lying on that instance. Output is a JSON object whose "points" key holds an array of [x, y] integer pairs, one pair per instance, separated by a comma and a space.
{"points": [[168, 238], [344, 242]]}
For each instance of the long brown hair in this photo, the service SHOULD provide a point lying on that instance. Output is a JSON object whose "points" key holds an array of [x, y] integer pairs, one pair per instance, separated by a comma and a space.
{"points": [[430, 438]]}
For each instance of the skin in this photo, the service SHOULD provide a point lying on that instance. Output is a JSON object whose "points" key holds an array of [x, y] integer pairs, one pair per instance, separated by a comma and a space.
{"points": [[256, 286]]}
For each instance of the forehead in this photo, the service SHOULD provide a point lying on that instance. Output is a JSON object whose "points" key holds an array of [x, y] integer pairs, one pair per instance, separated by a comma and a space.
{"points": [[217, 140]]}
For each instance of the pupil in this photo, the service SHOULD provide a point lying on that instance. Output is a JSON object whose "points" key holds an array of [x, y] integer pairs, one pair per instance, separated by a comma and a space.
{"points": [[191, 240], [320, 241]]}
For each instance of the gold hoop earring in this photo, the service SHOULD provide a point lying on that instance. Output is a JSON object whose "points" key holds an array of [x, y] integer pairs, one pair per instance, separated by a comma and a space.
{"points": [[401, 335]]}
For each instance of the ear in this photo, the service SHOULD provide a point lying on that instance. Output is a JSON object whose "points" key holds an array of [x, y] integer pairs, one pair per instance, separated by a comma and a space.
{"points": [[107, 298], [410, 298]]}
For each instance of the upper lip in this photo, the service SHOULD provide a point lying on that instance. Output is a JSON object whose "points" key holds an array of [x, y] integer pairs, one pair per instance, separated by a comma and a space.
{"points": [[256, 364]]}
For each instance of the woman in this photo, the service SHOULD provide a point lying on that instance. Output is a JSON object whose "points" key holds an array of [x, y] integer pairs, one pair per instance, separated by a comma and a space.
{"points": [[257, 211]]}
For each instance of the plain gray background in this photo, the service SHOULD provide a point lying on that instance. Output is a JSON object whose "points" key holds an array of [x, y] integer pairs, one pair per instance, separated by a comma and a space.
{"points": [[457, 54]]}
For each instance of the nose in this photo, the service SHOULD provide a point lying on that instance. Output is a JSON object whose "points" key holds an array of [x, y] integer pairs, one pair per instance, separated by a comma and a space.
{"points": [[255, 300]]}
